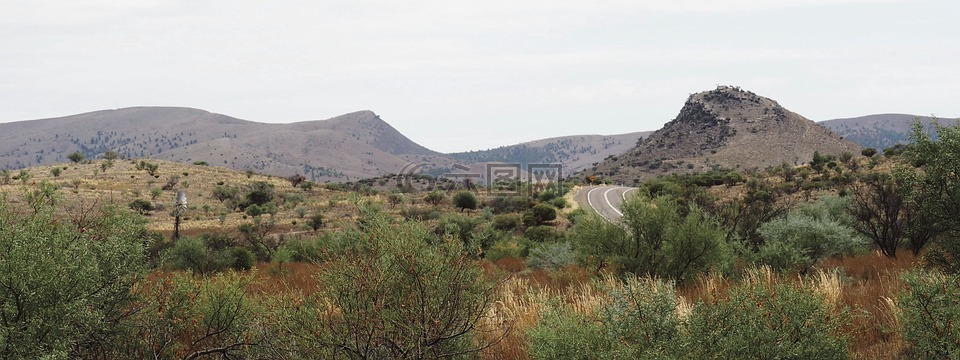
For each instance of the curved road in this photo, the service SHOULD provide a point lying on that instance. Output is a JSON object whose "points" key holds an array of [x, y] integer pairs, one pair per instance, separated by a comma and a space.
{"points": [[604, 200]]}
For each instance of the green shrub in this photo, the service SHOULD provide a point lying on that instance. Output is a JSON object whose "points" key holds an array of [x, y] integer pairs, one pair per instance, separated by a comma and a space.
{"points": [[458, 226], [930, 315], [505, 248], [543, 233], [539, 214], [559, 203], [66, 283], [465, 200], [141, 206], [434, 197], [562, 333], [655, 237], [766, 321], [400, 292], [188, 317], [639, 322], [642, 317], [552, 255], [799, 241], [243, 258], [194, 255], [506, 222]]}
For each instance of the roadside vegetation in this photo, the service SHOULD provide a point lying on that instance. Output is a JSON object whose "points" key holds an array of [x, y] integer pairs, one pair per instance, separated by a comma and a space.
{"points": [[848, 256]]}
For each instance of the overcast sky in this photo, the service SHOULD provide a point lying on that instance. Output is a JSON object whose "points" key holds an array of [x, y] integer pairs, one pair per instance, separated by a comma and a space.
{"points": [[467, 75]]}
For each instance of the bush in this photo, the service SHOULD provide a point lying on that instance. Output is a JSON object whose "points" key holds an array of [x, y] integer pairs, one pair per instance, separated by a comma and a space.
{"points": [[639, 322], [539, 214], [465, 200], [562, 333], [542, 233], [315, 222], [559, 203], [66, 284], [655, 237], [505, 248], [868, 152], [400, 292], [506, 222], [458, 226], [759, 320], [141, 206], [800, 240], [187, 317], [243, 258], [194, 255], [434, 197], [929, 315], [76, 156], [553, 255]]}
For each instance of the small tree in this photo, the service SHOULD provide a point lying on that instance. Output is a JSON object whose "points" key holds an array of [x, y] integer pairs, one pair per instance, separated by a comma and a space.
{"points": [[465, 200], [110, 155], [434, 197], [316, 221], [56, 171], [539, 214], [76, 156], [296, 179], [886, 216], [399, 292], [937, 190]]}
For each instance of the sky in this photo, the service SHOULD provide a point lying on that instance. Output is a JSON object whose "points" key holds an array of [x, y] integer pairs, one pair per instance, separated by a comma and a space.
{"points": [[472, 75]]}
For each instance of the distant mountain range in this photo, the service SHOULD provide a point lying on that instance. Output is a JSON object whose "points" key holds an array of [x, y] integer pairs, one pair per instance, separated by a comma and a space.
{"points": [[881, 131], [347, 147], [726, 128]]}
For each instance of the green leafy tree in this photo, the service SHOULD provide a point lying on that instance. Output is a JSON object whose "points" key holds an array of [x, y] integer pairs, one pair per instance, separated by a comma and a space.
{"points": [[539, 214], [937, 190], [465, 200], [434, 197], [76, 156], [65, 286], [929, 312], [655, 237]]}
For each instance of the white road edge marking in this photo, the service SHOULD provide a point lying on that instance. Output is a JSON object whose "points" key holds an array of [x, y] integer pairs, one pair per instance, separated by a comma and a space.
{"points": [[607, 199], [594, 207]]}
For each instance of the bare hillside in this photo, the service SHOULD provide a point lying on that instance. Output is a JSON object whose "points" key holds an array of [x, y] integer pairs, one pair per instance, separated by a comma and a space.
{"points": [[881, 131], [344, 148]]}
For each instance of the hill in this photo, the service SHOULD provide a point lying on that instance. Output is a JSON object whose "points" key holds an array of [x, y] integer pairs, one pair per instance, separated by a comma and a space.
{"points": [[346, 147], [349, 147], [575, 152], [880, 131], [725, 128]]}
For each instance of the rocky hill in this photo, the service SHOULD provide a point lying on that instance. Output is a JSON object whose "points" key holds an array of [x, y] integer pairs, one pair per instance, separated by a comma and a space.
{"points": [[881, 131], [725, 128]]}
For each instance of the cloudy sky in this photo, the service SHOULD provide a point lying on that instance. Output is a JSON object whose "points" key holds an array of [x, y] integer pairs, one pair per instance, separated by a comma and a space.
{"points": [[466, 75]]}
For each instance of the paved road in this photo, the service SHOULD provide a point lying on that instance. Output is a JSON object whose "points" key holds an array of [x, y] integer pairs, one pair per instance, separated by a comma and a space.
{"points": [[605, 200]]}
